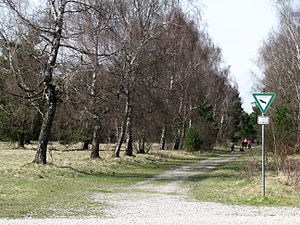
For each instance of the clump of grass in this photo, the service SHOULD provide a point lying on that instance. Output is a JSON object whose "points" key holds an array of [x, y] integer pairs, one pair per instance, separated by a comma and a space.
{"points": [[250, 168]]}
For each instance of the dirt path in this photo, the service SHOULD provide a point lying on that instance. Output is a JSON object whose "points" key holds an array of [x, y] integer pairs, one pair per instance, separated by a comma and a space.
{"points": [[164, 200]]}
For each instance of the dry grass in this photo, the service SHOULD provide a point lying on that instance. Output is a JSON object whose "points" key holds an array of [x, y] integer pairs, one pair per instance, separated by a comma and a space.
{"points": [[63, 187], [232, 184]]}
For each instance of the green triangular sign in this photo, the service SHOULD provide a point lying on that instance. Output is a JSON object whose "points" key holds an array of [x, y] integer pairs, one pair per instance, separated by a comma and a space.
{"points": [[264, 100]]}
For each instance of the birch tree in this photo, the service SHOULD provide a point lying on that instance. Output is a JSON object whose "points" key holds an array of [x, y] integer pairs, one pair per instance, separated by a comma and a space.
{"points": [[47, 23], [139, 23], [280, 62], [92, 46]]}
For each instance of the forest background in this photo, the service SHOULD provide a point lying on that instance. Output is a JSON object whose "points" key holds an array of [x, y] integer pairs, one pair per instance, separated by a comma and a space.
{"points": [[136, 72]]}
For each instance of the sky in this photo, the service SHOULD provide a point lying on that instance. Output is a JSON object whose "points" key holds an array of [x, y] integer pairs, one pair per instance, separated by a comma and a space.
{"points": [[239, 28]]}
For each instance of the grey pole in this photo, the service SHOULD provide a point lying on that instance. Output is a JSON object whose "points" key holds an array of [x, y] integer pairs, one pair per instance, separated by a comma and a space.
{"points": [[263, 160]]}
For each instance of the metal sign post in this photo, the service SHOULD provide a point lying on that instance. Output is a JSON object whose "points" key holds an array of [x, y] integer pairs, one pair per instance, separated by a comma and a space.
{"points": [[263, 177], [263, 101]]}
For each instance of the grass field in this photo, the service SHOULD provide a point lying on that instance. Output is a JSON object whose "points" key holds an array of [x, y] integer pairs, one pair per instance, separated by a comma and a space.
{"points": [[65, 185], [231, 184]]}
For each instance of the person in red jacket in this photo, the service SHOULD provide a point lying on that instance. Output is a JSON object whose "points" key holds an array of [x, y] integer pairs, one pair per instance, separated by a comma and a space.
{"points": [[249, 143]]}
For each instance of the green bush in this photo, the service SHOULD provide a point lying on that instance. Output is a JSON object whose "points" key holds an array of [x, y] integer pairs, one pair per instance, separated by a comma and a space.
{"points": [[193, 141]]}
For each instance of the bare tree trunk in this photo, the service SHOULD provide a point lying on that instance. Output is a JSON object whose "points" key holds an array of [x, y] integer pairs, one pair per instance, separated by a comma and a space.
{"points": [[141, 147], [96, 135], [190, 115], [85, 145], [190, 123], [128, 148], [177, 139], [41, 154], [141, 142], [122, 133], [116, 130], [49, 92], [178, 135], [297, 88], [119, 142], [182, 135], [162, 143], [21, 140], [183, 127], [96, 142]]}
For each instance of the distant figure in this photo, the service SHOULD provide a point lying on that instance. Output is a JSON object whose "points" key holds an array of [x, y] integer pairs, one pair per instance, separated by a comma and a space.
{"points": [[232, 146], [241, 149], [249, 144], [244, 143]]}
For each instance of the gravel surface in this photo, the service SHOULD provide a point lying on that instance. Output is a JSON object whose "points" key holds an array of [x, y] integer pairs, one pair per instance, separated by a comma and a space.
{"points": [[163, 202]]}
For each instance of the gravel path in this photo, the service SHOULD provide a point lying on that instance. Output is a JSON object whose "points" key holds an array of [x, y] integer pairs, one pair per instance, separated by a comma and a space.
{"points": [[162, 200]]}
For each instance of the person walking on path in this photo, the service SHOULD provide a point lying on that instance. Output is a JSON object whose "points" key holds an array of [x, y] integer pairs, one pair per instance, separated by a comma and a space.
{"points": [[232, 146], [249, 144], [244, 143]]}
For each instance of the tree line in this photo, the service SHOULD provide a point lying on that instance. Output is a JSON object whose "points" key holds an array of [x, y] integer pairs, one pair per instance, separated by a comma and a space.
{"points": [[117, 71], [279, 59]]}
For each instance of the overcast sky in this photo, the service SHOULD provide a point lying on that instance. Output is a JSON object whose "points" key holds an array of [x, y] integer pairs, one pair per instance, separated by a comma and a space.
{"points": [[239, 28]]}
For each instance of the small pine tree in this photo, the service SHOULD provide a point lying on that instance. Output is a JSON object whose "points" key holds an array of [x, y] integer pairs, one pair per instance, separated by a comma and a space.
{"points": [[193, 141]]}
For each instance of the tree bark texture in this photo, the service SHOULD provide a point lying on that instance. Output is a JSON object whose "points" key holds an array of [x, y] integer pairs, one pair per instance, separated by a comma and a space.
{"points": [[178, 135], [96, 142], [117, 130], [119, 142], [162, 144], [141, 143], [41, 154], [182, 135], [178, 138], [190, 115], [129, 148], [121, 133], [49, 92], [183, 127]]}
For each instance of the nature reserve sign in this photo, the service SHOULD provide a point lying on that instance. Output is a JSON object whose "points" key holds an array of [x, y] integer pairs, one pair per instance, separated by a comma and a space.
{"points": [[264, 100]]}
